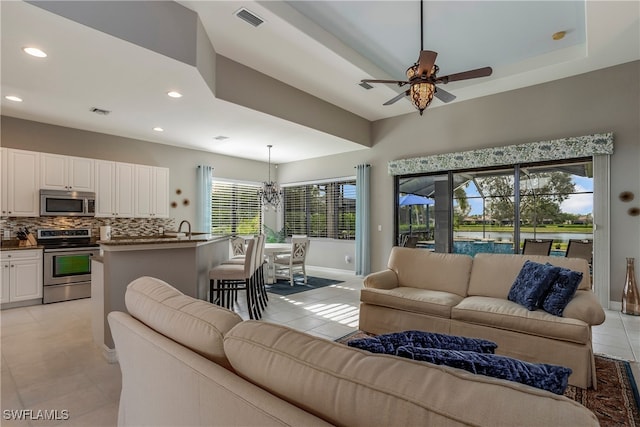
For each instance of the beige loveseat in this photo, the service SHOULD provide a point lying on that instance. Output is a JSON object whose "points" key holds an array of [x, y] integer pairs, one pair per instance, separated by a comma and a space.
{"points": [[459, 295], [186, 362]]}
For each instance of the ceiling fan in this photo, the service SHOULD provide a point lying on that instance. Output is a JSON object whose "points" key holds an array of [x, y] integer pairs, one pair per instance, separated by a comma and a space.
{"points": [[422, 77]]}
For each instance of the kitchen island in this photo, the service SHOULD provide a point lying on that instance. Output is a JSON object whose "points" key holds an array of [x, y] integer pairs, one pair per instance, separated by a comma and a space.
{"points": [[183, 262]]}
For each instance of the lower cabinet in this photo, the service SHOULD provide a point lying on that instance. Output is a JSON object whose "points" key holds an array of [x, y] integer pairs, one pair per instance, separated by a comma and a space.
{"points": [[21, 275]]}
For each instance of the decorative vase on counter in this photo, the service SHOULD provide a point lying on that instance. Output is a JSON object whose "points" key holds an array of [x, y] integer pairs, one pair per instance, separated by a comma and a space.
{"points": [[630, 293]]}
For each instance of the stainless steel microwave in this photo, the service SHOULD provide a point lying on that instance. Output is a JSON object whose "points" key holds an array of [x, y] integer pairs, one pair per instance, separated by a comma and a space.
{"points": [[67, 203]]}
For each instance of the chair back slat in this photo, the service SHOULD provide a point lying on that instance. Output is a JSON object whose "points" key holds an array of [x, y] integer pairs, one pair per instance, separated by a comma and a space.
{"points": [[299, 247], [237, 246]]}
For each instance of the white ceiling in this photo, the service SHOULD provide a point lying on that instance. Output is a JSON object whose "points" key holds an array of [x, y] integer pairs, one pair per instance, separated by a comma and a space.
{"points": [[321, 47]]}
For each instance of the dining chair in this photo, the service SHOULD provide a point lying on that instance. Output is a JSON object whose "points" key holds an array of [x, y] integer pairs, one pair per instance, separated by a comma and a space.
{"points": [[537, 246], [225, 280], [287, 264], [580, 248]]}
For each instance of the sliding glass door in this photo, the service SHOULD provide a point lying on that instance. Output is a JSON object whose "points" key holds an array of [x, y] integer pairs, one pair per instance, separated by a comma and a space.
{"points": [[495, 210]]}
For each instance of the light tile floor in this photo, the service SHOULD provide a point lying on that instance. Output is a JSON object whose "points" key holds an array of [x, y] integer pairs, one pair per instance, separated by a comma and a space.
{"points": [[49, 361]]}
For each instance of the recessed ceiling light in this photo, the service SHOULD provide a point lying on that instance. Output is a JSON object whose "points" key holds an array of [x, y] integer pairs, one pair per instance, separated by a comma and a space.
{"points": [[559, 35], [158, 129], [174, 94], [34, 51], [13, 98]]}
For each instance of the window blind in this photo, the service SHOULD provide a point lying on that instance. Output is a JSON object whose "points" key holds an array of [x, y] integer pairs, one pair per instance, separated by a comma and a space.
{"points": [[321, 210], [235, 208]]}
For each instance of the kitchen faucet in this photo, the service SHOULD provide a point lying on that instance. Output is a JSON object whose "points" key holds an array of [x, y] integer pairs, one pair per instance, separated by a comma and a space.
{"points": [[188, 224]]}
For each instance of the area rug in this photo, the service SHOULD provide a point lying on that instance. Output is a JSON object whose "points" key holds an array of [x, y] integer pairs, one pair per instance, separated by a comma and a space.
{"points": [[283, 287], [616, 403]]}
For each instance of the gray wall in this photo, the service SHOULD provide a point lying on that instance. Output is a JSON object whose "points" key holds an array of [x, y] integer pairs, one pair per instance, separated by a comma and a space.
{"points": [[596, 102], [601, 101]]}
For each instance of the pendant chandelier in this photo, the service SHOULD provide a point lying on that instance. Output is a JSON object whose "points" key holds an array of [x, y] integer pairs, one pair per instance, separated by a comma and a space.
{"points": [[270, 194]]}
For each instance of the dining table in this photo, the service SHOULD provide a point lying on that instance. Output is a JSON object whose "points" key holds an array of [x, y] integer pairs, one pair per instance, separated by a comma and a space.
{"points": [[271, 251]]}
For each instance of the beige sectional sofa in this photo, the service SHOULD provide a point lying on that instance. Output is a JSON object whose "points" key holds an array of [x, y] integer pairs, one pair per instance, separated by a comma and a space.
{"points": [[186, 362], [459, 295]]}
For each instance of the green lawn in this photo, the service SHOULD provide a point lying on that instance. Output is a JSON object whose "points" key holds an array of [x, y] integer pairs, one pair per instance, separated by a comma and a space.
{"points": [[552, 228]]}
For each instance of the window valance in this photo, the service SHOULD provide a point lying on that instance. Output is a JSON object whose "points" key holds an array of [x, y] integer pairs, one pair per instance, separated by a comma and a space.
{"points": [[557, 149]]}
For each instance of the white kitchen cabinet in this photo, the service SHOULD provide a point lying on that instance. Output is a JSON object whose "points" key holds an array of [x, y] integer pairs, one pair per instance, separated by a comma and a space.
{"points": [[114, 189], [151, 192], [58, 172], [4, 173], [21, 275], [20, 182]]}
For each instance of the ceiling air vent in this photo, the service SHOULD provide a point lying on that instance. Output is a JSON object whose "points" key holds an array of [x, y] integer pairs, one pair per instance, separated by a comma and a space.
{"points": [[220, 137], [249, 17], [365, 85], [100, 111]]}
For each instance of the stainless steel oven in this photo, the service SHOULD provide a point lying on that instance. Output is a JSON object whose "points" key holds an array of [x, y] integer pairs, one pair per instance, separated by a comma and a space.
{"points": [[67, 264]]}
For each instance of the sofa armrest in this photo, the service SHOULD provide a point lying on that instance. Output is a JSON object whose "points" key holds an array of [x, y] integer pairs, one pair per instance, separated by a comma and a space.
{"points": [[386, 279], [585, 306]]}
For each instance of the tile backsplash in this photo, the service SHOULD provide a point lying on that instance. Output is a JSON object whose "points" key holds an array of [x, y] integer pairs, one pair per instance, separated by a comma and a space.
{"points": [[120, 227]]}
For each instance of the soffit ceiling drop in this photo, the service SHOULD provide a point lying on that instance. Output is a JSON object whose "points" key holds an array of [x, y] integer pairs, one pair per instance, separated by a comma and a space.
{"points": [[323, 48]]}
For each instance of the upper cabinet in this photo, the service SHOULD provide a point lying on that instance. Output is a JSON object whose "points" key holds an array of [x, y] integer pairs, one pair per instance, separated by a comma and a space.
{"points": [[20, 182], [151, 192], [123, 190], [114, 189], [68, 173]]}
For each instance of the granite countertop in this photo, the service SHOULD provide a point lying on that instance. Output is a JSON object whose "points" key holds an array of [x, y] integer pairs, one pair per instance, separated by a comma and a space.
{"points": [[163, 240]]}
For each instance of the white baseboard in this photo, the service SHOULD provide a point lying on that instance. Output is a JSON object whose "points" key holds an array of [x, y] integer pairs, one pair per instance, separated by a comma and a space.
{"points": [[330, 270], [615, 306], [109, 354]]}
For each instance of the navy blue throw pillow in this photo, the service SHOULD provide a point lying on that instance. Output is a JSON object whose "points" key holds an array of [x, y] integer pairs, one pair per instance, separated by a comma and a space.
{"points": [[552, 378], [561, 291], [388, 343], [532, 283]]}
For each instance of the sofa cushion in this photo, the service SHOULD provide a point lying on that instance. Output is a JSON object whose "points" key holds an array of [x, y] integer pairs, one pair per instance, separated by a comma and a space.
{"points": [[350, 387], [502, 314], [417, 268], [434, 303], [493, 274], [389, 343], [552, 378], [194, 323], [561, 291], [532, 284]]}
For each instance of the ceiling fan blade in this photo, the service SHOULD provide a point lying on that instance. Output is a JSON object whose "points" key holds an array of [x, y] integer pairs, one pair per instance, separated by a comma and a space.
{"points": [[443, 95], [471, 74], [396, 98], [426, 61], [398, 82]]}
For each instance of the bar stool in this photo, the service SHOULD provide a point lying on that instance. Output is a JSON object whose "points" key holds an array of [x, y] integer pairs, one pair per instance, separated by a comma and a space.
{"points": [[258, 279], [225, 280], [258, 276]]}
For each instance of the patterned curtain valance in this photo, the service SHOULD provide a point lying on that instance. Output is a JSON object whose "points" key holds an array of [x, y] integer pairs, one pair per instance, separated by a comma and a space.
{"points": [[558, 149]]}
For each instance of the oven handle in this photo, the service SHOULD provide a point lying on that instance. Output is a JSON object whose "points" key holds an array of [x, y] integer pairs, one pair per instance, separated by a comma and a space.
{"points": [[70, 250]]}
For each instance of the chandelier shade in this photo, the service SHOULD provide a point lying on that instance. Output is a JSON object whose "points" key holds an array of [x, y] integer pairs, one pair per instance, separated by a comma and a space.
{"points": [[270, 193]]}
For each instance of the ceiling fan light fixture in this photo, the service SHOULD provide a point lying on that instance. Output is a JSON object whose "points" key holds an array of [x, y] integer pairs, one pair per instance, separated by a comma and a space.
{"points": [[422, 95], [421, 91]]}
